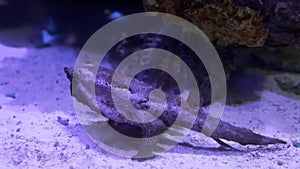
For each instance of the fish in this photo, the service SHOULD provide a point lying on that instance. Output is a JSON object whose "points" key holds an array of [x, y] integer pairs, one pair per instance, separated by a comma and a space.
{"points": [[81, 78]]}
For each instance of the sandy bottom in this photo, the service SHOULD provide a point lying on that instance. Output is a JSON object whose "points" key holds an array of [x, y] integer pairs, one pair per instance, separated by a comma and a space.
{"points": [[34, 92]]}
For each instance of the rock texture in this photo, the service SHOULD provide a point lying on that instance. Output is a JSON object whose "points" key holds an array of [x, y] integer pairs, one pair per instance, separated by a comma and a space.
{"points": [[271, 26], [222, 21]]}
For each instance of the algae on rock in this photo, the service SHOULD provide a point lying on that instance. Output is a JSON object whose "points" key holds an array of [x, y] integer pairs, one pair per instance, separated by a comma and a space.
{"points": [[221, 20]]}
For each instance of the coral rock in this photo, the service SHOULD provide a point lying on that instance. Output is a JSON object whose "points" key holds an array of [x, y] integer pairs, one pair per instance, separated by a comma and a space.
{"points": [[223, 22]]}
